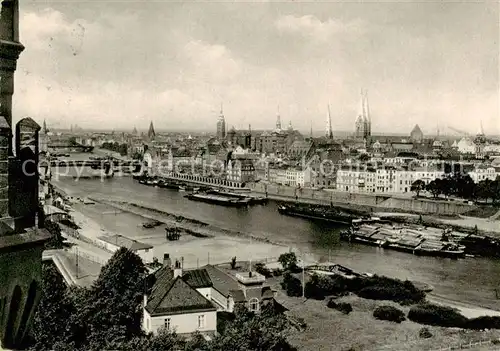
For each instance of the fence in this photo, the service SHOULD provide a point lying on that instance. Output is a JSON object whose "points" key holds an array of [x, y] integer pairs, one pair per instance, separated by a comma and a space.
{"points": [[82, 254], [459, 346], [470, 345]]}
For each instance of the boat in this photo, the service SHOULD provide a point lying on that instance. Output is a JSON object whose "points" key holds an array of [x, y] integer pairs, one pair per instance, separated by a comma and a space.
{"points": [[417, 242], [182, 188], [251, 199], [151, 224], [217, 199], [320, 213]]}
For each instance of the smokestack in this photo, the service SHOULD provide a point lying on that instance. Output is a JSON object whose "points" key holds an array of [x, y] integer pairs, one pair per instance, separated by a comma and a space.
{"points": [[177, 269], [167, 262]]}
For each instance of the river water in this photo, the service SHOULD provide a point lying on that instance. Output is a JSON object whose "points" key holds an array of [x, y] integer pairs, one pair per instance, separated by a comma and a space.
{"points": [[471, 280]]}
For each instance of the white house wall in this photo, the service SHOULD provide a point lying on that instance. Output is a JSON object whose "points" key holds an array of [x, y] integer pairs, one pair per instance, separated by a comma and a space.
{"points": [[183, 323]]}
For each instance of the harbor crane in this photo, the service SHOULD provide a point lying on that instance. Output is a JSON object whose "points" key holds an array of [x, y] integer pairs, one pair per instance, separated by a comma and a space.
{"points": [[459, 131]]}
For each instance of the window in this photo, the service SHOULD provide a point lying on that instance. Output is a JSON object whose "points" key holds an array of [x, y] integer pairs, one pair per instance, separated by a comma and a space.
{"points": [[254, 304], [167, 323], [201, 321]]}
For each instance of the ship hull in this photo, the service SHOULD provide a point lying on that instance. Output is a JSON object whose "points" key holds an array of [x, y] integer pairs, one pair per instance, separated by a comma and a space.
{"points": [[221, 202], [337, 220]]}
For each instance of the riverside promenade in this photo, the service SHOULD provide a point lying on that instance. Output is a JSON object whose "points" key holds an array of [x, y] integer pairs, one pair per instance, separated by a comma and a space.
{"points": [[362, 201]]}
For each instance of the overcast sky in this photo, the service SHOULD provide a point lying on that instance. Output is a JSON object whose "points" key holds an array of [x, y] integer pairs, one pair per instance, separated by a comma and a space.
{"points": [[121, 64]]}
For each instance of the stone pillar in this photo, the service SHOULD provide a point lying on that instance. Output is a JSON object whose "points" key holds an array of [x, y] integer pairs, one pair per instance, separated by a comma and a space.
{"points": [[4, 167]]}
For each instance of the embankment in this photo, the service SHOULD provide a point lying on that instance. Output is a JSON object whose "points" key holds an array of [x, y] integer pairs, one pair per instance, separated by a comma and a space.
{"points": [[362, 202], [189, 225]]}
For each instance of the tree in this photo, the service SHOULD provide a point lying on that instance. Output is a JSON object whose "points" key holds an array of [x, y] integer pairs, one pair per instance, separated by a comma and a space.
{"points": [[433, 188], [288, 261], [50, 319], [114, 309], [266, 331], [56, 241], [292, 285], [233, 263], [418, 186], [364, 157]]}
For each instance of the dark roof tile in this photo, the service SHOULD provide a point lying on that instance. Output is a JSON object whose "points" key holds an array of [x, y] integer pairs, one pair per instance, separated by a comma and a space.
{"points": [[177, 297], [197, 278]]}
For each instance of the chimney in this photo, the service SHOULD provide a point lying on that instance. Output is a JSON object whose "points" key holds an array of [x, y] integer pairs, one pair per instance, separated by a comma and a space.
{"points": [[167, 262], [178, 269]]}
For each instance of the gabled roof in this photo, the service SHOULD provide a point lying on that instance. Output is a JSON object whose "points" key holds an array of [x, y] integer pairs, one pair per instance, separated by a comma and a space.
{"points": [[171, 296], [197, 278], [416, 129], [221, 282]]}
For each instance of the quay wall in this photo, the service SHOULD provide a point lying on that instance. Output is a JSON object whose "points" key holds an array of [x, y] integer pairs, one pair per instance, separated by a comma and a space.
{"points": [[370, 201]]}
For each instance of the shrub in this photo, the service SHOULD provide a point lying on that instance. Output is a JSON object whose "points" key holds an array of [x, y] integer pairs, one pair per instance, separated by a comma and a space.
{"points": [[437, 315], [484, 322], [384, 288], [389, 313], [425, 333], [291, 285], [321, 286], [262, 269], [343, 307], [277, 272], [288, 261]]}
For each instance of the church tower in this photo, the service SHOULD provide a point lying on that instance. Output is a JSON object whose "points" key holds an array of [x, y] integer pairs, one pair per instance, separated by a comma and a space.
{"points": [[22, 239], [151, 131], [221, 124], [278, 120], [362, 126], [329, 132]]}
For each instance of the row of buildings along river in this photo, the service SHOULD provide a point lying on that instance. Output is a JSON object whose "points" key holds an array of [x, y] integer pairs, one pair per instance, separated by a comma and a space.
{"points": [[472, 280]]}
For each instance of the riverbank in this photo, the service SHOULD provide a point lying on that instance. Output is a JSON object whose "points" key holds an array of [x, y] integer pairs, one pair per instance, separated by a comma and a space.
{"points": [[203, 243], [472, 281]]}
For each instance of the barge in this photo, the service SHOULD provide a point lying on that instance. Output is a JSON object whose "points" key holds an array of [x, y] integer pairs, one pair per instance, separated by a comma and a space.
{"points": [[319, 213], [252, 199], [423, 242], [218, 199]]}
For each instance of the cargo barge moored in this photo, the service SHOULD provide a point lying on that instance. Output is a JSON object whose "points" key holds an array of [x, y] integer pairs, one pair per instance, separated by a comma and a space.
{"points": [[418, 242]]}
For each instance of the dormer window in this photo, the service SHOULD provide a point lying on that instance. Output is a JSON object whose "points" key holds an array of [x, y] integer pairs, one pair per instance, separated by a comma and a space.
{"points": [[254, 304]]}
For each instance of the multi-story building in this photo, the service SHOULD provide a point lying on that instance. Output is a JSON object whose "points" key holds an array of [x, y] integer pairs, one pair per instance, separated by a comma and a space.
{"points": [[240, 170], [383, 180], [482, 173], [295, 177]]}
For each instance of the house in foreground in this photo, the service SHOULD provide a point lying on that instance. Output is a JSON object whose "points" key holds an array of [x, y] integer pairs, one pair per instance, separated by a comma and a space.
{"points": [[188, 301], [173, 304]]}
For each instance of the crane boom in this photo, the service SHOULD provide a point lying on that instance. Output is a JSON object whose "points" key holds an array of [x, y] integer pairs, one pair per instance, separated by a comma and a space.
{"points": [[458, 131]]}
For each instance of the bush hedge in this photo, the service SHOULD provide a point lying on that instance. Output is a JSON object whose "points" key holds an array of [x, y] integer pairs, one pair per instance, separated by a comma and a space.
{"points": [[376, 288], [483, 322], [343, 307], [292, 285], [448, 317], [389, 313], [443, 316]]}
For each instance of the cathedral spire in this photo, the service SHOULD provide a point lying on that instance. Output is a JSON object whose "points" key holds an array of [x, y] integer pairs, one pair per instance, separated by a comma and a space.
{"points": [[329, 133], [278, 119], [151, 131]]}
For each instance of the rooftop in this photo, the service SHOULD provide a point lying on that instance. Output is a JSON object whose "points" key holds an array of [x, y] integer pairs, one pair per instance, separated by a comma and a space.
{"points": [[173, 295], [122, 241]]}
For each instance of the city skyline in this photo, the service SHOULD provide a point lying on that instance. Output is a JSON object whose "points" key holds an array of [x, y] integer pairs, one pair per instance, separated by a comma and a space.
{"points": [[422, 63]]}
